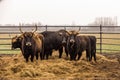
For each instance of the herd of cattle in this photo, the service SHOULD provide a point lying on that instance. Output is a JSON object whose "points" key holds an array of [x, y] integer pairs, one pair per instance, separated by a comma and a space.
{"points": [[42, 44]]}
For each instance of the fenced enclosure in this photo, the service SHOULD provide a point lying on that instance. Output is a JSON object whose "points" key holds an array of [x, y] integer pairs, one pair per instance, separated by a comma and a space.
{"points": [[108, 37]]}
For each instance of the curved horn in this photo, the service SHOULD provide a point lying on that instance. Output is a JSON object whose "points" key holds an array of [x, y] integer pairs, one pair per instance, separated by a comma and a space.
{"points": [[20, 28], [68, 32], [79, 30], [35, 29]]}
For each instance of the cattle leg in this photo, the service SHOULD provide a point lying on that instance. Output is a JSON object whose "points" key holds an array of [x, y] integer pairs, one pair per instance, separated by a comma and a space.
{"points": [[44, 55], [50, 53], [41, 55], [66, 52], [32, 57], [60, 52], [47, 56], [70, 56], [37, 56], [94, 55], [91, 54], [88, 55], [26, 57], [79, 55], [75, 55]]}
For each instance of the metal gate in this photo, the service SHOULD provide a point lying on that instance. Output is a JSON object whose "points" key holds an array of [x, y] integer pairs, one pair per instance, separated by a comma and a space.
{"points": [[108, 37]]}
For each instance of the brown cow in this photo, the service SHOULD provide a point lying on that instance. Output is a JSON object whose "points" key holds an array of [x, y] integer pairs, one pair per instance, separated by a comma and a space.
{"points": [[32, 44]]}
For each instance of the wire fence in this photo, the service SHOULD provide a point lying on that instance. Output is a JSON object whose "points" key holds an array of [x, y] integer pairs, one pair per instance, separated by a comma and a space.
{"points": [[108, 37]]}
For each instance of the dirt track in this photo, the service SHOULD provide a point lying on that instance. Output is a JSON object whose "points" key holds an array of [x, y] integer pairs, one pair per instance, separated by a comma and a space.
{"points": [[15, 68]]}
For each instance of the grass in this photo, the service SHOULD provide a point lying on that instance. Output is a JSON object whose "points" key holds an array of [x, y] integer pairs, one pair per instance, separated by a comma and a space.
{"points": [[111, 48], [10, 52], [109, 41]]}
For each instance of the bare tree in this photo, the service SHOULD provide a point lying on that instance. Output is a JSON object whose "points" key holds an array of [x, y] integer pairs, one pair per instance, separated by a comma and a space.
{"points": [[105, 21]]}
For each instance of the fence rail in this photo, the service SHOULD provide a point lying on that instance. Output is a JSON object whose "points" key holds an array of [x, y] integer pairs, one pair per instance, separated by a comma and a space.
{"points": [[100, 31]]}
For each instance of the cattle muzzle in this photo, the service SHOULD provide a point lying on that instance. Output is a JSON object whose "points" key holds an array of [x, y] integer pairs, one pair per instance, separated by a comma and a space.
{"points": [[72, 41], [64, 42], [29, 44]]}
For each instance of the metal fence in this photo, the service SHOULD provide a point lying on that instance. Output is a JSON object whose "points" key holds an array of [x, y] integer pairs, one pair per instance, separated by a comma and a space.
{"points": [[107, 36]]}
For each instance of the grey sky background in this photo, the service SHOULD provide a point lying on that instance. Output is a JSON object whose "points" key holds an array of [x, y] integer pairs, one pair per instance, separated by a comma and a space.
{"points": [[57, 12]]}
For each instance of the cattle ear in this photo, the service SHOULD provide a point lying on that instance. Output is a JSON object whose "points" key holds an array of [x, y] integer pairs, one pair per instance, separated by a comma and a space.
{"points": [[20, 38], [60, 33]]}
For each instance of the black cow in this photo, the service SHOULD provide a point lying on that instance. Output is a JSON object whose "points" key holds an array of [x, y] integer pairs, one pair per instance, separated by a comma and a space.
{"points": [[31, 45], [64, 35], [77, 44], [53, 40], [93, 47]]}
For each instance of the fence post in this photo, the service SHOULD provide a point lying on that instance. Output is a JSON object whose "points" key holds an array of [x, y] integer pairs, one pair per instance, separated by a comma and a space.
{"points": [[79, 28], [100, 39], [65, 27], [46, 27]]}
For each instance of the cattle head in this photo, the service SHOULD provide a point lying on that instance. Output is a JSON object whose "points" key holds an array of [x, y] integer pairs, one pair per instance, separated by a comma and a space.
{"points": [[64, 35], [16, 42], [28, 37], [72, 35]]}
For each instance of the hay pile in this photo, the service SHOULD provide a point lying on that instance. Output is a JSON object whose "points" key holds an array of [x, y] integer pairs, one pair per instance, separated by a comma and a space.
{"points": [[16, 68]]}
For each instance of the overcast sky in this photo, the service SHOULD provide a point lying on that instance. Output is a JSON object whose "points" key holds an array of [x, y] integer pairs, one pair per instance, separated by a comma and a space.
{"points": [[57, 12]]}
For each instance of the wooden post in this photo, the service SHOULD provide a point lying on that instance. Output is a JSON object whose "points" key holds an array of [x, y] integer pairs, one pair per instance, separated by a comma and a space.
{"points": [[100, 39]]}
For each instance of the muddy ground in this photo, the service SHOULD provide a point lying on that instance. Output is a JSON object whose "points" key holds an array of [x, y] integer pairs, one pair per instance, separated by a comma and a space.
{"points": [[14, 67]]}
